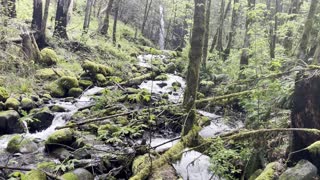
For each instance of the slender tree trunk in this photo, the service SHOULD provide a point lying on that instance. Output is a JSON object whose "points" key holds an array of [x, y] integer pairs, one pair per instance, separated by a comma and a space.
{"points": [[244, 59], [232, 33], [146, 14], [206, 36], [308, 27], [60, 29], [87, 16], [41, 40], [219, 46], [195, 56], [274, 30], [116, 13], [105, 26], [37, 15]]}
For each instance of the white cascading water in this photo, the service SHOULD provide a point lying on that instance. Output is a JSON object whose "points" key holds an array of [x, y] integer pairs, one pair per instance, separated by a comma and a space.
{"points": [[162, 30]]}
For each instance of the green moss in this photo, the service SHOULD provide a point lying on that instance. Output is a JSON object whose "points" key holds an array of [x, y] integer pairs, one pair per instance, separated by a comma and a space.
{"points": [[20, 144], [56, 90], [100, 78], [48, 74], [4, 95], [314, 148], [256, 174], [75, 92], [139, 162], [36, 175], [60, 136], [69, 176], [47, 166], [161, 77], [48, 57], [68, 82], [12, 103], [85, 83], [27, 103], [95, 68], [268, 173]]}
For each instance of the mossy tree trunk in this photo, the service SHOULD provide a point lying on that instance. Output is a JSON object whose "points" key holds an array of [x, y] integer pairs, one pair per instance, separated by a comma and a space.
{"points": [[116, 13], [308, 27], [195, 56], [306, 109], [219, 46], [60, 29], [244, 59], [87, 16], [232, 33], [41, 40], [206, 36], [105, 26]]}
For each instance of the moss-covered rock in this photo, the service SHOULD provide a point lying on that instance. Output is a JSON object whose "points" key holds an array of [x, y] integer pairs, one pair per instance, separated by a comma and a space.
{"points": [[63, 136], [47, 166], [139, 162], [27, 104], [41, 119], [48, 57], [95, 68], [19, 144], [57, 108], [162, 77], [75, 92], [85, 83], [68, 82], [56, 90], [171, 68], [48, 74], [9, 122], [304, 170], [12, 103], [36, 175], [100, 78], [269, 173], [4, 95], [69, 176]]}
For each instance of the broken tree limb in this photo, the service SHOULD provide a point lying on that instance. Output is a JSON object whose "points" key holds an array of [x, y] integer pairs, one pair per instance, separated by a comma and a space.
{"points": [[94, 120]]}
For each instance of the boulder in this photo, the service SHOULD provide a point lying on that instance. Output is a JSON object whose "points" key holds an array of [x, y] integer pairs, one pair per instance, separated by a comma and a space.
{"points": [[56, 90], [68, 82], [27, 104], [270, 172], [62, 136], [304, 170], [9, 122], [12, 103], [20, 144], [75, 92], [43, 119], [61, 154], [57, 108], [95, 68], [48, 74], [36, 175], [78, 174], [101, 79], [171, 68], [48, 57], [4, 95], [85, 83]]}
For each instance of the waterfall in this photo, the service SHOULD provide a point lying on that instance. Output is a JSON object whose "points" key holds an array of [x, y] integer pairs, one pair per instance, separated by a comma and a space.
{"points": [[162, 30]]}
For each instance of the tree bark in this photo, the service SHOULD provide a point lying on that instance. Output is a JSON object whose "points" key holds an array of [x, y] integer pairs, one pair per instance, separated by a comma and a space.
{"points": [[308, 27], [232, 33], [60, 29], [41, 40], [146, 14], [206, 36], [105, 26], [87, 16], [274, 30], [195, 56], [116, 13], [219, 46], [244, 59]]}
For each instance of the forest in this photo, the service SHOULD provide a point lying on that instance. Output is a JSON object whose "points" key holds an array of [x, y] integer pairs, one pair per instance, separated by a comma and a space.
{"points": [[159, 89]]}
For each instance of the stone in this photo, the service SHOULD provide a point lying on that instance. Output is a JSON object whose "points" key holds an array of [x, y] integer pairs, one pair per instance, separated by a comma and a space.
{"points": [[27, 104], [304, 170], [85, 83], [171, 68], [56, 90], [57, 108], [62, 136], [48, 57], [61, 154], [100, 78], [78, 174], [12, 103], [43, 119], [36, 175], [4, 95], [20, 144], [270, 172], [95, 68], [75, 92], [48, 74], [68, 82], [9, 122]]}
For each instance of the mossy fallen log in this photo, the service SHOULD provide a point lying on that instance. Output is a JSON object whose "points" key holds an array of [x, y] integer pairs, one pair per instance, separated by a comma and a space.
{"points": [[138, 80]]}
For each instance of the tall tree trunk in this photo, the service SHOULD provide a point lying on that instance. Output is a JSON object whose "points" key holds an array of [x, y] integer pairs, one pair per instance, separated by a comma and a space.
{"points": [[308, 27], [87, 16], [244, 59], [105, 26], [274, 30], [116, 13], [60, 29], [294, 10], [146, 14], [36, 24], [41, 40], [206, 36], [232, 33], [219, 46], [195, 56]]}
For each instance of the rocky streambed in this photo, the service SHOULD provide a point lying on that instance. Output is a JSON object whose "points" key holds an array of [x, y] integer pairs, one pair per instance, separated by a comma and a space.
{"points": [[105, 148]]}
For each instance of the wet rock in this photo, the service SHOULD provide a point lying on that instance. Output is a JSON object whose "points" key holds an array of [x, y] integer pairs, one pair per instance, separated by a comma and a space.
{"points": [[43, 120], [9, 122], [75, 92], [161, 77], [162, 84], [100, 78], [27, 104], [56, 90], [48, 57], [82, 153], [36, 175], [57, 108], [4, 95], [12, 103], [2, 106], [20, 144], [171, 68], [78, 174], [58, 138], [61, 154], [304, 170], [85, 83], [270, 172], [68, 82]]}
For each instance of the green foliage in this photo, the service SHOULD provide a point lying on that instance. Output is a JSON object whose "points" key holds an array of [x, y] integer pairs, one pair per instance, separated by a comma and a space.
{"points": [[66, 166], [142, 96], [224, 160]]}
